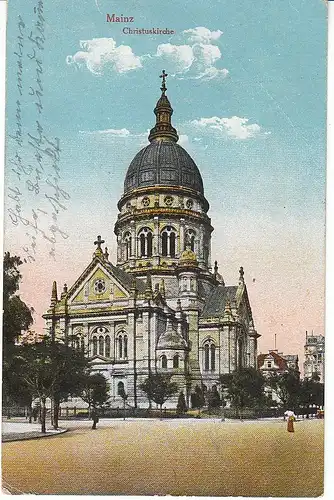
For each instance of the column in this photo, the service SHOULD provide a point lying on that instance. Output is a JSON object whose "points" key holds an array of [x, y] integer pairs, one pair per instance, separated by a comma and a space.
{"points": [[156, 236], [86, 338], [133, 238], [181, 248], [119, 249]]}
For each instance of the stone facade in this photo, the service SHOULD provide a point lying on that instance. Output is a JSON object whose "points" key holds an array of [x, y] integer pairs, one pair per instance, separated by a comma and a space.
{"points": [[161, 307], [314, 351]]}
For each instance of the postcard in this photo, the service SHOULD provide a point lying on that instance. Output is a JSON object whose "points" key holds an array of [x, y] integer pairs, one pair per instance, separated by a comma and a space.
{"points": [[164, 248]]}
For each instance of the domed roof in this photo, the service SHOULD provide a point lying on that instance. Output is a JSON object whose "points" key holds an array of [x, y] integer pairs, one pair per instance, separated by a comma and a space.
{"points": [[170, 339], [164, 163]]}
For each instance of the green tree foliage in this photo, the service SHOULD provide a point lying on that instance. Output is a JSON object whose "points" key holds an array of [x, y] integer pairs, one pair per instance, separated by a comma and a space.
{"points": [[17, 316], [47, 369], [94, 390], [311, 393], [181, 407], [69, 380], [158, 388], [244, 388], [213, 397], [287, 387], [124, 396], [197, 398]]}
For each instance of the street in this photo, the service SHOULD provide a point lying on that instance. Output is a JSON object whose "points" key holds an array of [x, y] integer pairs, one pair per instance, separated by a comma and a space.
{"points": [[176, 457]]}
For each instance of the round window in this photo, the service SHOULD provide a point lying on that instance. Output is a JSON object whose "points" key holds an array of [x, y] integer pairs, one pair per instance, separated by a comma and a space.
{"points": [[169, 201], [189, 204], [99, 286], [146, 201]]}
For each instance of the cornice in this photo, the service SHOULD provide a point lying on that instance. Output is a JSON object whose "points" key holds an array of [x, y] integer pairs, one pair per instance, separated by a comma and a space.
{"points": [[150, 213], [141, 191]]}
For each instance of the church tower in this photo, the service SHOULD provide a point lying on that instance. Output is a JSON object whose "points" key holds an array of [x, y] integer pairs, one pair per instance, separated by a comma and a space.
{"points": [[163, 205], [160, 308]]}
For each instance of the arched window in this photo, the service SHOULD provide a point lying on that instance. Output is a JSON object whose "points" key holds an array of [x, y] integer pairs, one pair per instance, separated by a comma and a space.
{"points": [[145, 242], [206, 357], [120, 388], [101, 345], [94, 346], [125, 339], [168, 242], [107, 346], [190, 240], [163, 361], [82, 345], [240, 353], [164, 243], [142, 245], [149, 244], [127, 246], [213, 357], [176, 361], [120, 347], [209, 356]]}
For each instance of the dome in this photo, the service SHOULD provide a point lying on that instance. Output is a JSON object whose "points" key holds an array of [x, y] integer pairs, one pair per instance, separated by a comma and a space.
{"points": [[163, 163], [170, 339]]}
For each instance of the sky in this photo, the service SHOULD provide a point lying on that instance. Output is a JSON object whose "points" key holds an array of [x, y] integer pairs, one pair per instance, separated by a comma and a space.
{"points": [[248, 86]]}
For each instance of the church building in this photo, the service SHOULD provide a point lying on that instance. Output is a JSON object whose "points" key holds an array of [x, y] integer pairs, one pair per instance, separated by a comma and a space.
{"points": [[161, 306]]}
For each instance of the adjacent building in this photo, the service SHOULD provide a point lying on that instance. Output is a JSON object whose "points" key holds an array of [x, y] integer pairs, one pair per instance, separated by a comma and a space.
{"points": [[314, 352], [276, 363]]}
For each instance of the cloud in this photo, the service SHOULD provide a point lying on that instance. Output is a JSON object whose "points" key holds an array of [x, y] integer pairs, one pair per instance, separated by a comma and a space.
{"points": [[122, 132], [202, 35], [180, 57], [183, 140], [99, 54], [195, 59], [234, 127]]}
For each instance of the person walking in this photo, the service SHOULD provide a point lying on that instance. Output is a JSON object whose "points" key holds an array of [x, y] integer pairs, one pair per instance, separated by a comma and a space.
{"points": [[95, 418], [291, 417]]}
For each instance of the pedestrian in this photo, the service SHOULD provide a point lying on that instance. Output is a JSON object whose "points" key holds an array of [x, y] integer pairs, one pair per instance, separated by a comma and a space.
{"points": [[95, 418], [291, 417]]}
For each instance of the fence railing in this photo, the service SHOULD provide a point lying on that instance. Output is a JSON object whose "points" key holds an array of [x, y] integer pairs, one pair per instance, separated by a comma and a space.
{"points": [[71, 413]]}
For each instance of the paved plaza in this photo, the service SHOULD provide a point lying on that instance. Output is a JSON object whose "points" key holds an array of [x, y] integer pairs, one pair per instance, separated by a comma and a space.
{"points": [[177, 457]]}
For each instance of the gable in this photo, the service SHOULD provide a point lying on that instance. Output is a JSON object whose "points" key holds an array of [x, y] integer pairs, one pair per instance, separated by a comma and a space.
{"points": [[99, 285]]}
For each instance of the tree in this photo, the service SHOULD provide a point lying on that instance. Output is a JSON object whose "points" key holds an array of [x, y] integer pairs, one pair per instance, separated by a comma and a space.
{"points": [[70, 378], [124, 396], [287, 387], [214, 400], [17, 316], [311, 393], [13, 390], [244, 387], [181, 407], [94, 390], [197, 399], [158, 388], [48, 369]]}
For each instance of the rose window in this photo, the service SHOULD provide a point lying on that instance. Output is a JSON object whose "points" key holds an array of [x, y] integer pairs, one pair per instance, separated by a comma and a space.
{"points": [[99, 286], [146, 201]]}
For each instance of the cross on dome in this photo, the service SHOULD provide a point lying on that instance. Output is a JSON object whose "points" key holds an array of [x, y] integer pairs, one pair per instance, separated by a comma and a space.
{"points": [[164, 75]]}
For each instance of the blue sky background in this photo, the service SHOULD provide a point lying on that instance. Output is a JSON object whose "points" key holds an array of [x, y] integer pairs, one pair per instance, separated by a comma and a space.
{"points": [[264, 177]]}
